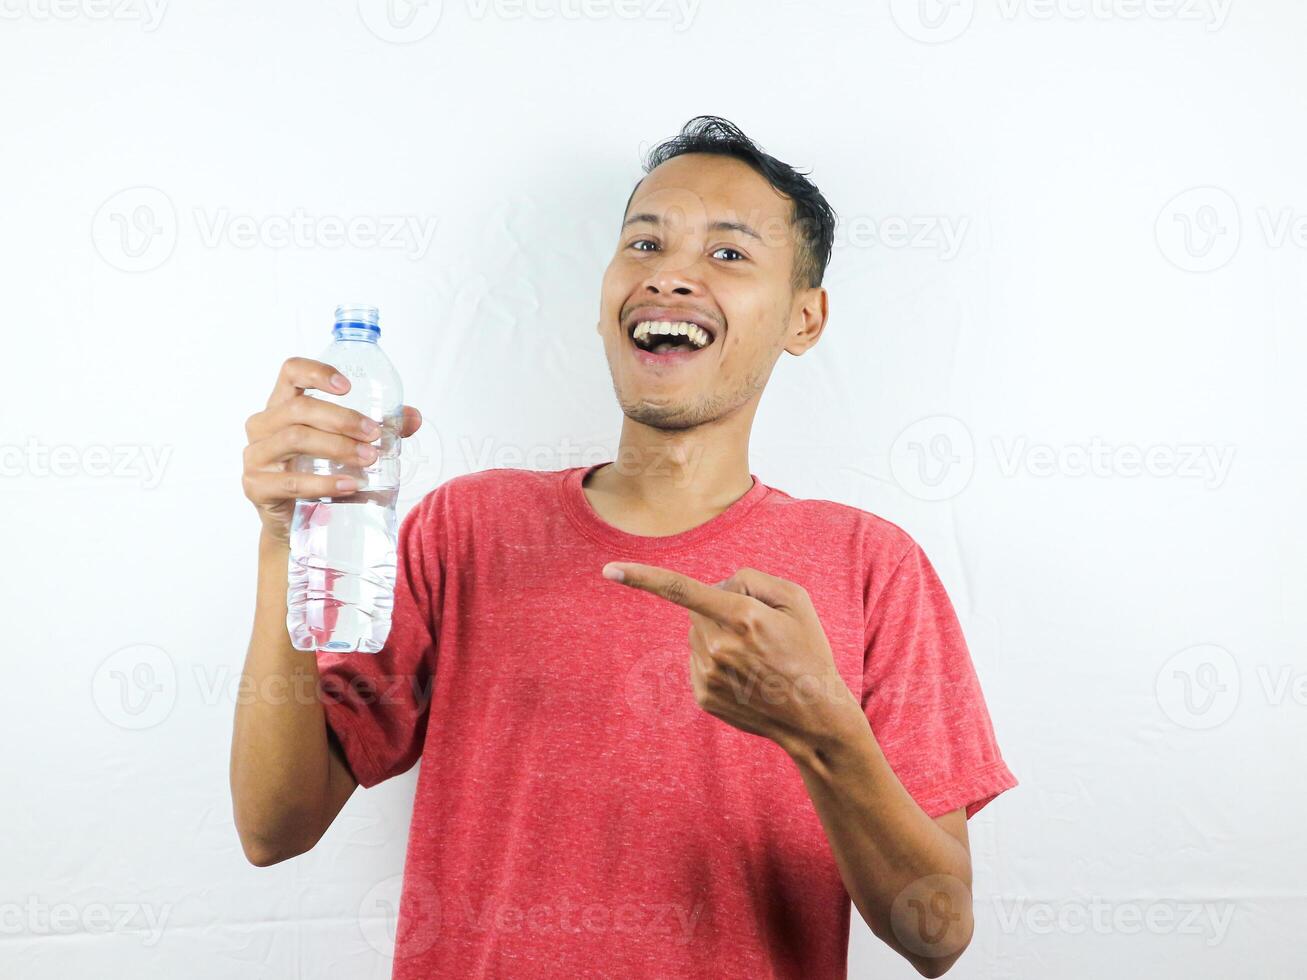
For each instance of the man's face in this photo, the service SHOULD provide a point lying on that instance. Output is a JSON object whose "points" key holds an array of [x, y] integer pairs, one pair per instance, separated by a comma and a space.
{"points": [[707, 240]]}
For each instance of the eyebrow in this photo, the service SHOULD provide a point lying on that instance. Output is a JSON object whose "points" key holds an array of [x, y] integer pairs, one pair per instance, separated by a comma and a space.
{"points": [[653, 219]]}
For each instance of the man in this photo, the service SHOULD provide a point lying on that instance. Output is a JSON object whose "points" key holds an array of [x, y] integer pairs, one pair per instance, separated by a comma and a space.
{"points": [[669, 718]]}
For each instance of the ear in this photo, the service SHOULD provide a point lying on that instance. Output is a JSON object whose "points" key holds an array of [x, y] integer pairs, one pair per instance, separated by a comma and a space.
{"points": [[807, 319]]}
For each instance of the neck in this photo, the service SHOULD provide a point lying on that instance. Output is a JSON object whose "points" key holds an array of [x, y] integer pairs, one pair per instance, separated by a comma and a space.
{"points": [[667, 481]]}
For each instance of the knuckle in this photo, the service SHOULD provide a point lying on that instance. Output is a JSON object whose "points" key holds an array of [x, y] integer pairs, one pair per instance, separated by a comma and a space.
{"points": [[347, 448], [748, 622], [675, 591]]}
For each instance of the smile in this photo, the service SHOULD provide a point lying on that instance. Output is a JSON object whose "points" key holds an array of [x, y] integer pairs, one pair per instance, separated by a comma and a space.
{"points": [[668, 336]]}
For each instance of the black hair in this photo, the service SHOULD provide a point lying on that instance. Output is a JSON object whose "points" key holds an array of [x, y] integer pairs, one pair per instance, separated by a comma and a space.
{"points": [[812, 218]]}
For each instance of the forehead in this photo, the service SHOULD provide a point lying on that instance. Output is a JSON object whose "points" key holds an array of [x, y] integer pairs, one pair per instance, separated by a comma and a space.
{"points": [[705, 187]]}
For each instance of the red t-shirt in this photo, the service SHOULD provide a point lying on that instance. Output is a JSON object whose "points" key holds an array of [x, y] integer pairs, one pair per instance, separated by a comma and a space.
{"points": [[577, 814]]}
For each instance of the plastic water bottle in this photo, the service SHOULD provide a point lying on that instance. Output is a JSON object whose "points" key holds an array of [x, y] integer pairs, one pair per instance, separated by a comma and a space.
{"points": [[342, 549]]}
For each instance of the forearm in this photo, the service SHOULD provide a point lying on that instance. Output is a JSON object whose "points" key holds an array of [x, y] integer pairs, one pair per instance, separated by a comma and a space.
{"points": [[280, 758], [885, 844]]}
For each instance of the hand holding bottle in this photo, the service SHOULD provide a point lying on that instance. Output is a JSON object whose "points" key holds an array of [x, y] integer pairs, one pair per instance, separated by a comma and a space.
{"points": [[293, 424]]}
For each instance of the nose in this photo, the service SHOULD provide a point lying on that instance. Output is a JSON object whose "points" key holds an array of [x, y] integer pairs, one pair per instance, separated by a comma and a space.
{"points": [[666, 281]]}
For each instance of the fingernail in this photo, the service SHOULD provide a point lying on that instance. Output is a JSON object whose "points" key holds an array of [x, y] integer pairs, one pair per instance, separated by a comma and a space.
{"points": [[367, 453], [338, 381], [614, 573], [370, 428], [347, 485]]}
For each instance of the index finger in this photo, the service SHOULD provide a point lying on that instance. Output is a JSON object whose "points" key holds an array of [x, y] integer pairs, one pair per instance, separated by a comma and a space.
{"points": [[680, 589], [298, 373]]}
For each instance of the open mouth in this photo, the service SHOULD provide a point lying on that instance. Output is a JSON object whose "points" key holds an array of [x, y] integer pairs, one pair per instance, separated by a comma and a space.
{"points": [[666, 337]]}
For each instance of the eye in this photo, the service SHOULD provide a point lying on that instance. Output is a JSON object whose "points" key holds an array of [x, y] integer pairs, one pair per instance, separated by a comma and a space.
{"points": [[726, 248], [643, 241]]}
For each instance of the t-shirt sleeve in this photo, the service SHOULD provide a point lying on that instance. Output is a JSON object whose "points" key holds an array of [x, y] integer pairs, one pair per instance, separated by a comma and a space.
{"points": [[922, 697], [377, 704]]}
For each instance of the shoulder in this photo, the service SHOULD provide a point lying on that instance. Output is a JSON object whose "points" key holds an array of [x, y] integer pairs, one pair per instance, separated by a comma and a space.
{"points": [[880, 540], [495, 490]]}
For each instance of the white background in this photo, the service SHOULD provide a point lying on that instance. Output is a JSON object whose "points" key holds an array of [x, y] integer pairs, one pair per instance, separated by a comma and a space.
{"points": [[1072, 380]]}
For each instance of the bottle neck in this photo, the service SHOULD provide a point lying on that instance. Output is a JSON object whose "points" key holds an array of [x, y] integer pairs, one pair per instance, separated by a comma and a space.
{"points": [[354, 331]]}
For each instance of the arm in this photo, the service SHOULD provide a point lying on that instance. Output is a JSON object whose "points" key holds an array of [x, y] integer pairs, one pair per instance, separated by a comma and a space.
{"points": [[886, 847], [288, 776], [908, 875]]}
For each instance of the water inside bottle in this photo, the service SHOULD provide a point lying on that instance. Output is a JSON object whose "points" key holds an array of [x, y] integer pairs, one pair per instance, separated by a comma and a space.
{"points": [[342, 572]]}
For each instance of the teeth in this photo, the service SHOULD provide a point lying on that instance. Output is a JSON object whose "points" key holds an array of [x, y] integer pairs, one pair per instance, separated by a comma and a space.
{"points": [[696, 334]]}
